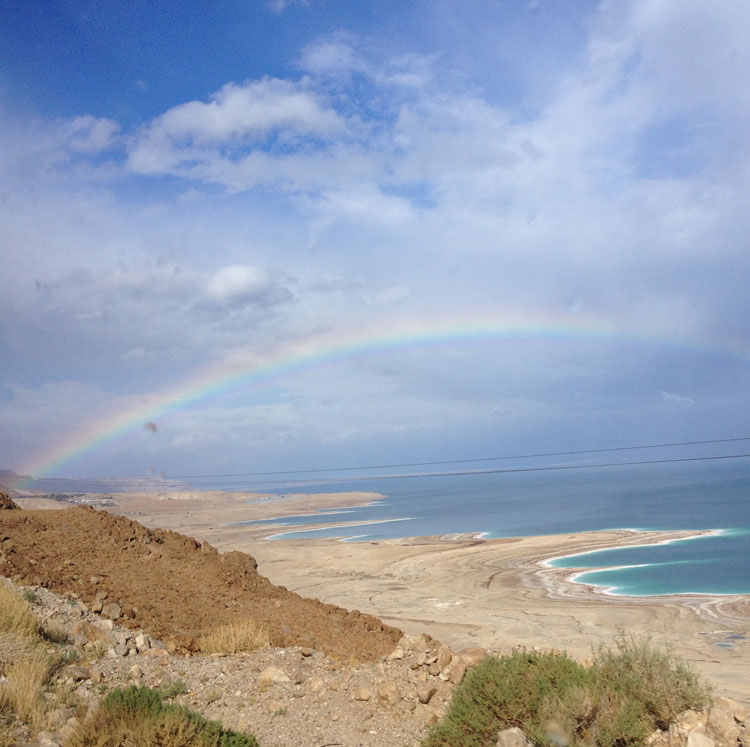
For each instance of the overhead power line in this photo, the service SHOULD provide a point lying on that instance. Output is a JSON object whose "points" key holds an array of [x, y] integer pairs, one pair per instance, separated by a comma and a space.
{"points": [[580, 452], [154, 482]]}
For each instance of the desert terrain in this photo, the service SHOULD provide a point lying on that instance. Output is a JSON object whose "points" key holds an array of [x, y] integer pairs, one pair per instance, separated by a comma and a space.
{"points": [[496, 594]]}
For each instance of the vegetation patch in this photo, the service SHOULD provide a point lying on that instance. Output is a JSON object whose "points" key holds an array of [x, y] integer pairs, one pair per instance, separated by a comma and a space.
{"points": [[235, 638], [139, 717], [628, 692]]}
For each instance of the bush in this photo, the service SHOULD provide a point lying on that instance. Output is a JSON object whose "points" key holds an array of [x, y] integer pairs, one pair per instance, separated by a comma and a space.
{"points": [[139, 717], [623, 697], [235, 638]]}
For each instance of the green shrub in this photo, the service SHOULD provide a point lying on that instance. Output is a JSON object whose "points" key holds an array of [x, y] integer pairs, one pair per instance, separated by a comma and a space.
{"points": [[626, 694], [139, 717]]}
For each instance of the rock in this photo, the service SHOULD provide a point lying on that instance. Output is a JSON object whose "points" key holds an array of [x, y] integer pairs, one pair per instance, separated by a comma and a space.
{"points": [[457, 672], [512, 738], [121, 649], [434, 669], [273, 675], [696, 739], [425, 693], [96, 606], [305, 652], [362, 693], [556, 733], [69, 729], [58, 717], [471, 656], [135, 672], [722, 726], [47, 739], [316, 685], [77, 673], [689, 720], [111, 610], [445, 656], [388, 693], [101, 595], [396, 654], [6, 504], [107, 624]]}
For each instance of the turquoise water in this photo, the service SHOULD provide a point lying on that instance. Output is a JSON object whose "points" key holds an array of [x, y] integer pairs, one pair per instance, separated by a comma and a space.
{"points": [[688, 496]]}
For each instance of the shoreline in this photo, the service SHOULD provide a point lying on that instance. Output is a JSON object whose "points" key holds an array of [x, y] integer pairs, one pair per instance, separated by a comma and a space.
{"points": [[470, 591]]}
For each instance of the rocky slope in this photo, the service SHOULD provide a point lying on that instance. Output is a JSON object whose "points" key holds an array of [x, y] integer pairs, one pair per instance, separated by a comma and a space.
{"points": [[171, 585]]}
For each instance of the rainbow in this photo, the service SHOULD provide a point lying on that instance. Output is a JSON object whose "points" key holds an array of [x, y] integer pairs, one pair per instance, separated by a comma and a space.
{"points": [[331, 348]]}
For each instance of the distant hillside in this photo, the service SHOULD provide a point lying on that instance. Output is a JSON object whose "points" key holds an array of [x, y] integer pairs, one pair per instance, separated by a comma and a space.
{"points": [[10, 479]]}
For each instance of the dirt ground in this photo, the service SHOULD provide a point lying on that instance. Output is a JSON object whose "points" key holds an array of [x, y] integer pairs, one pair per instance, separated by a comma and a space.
{"points": [[171, 585]]}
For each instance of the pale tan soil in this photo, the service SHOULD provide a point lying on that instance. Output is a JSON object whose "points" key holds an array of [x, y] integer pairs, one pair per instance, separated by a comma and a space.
{"points": [[467, 592]]}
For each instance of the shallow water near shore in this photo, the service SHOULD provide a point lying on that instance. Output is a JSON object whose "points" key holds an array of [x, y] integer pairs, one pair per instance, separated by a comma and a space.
{"points": [[688, 496]]}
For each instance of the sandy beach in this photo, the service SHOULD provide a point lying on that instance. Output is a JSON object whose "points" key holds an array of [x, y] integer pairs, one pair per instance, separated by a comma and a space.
{"points": [[465, 591]]}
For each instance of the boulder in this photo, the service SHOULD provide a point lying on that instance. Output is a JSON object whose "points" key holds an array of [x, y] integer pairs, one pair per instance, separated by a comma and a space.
{"points": [[722, 726], [471, 656], [6, 504]]}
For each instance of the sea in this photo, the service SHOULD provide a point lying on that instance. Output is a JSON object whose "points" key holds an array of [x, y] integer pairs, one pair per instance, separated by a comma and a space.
{"points": [[711, 495]]}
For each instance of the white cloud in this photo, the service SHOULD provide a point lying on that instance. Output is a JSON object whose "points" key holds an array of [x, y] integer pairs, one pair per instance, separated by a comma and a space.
{"points": [[279, 6], [241, 117], [91, 135], [238, 283]]}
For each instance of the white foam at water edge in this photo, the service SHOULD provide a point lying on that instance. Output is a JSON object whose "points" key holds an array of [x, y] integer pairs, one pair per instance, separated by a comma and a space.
{"points": [[547, 562]]}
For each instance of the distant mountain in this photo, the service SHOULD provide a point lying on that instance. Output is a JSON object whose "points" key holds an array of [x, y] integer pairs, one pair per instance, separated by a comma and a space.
{"points": [[10, 479]]}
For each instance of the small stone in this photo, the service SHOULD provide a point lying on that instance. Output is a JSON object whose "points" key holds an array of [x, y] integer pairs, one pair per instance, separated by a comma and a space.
{"points": [[316, 685], [457, 672], [135, 672], [121, 649], [112, 611], [107, 624], [94, 580], [512, 738], [396, 654], [96, 605], [306, 652], [362, 693], [388, 693], [445, 656], [434, 669], [696, 739], [425, 693], [77, 673], [47, 739]]}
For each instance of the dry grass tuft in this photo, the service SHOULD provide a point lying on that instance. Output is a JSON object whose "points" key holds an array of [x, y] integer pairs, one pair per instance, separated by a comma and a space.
{"points": [[235, 638], [26, 676], [16, 615]]}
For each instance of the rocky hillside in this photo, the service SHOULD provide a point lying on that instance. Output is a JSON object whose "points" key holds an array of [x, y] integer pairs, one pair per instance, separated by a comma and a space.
{"points": [[170, 585]]}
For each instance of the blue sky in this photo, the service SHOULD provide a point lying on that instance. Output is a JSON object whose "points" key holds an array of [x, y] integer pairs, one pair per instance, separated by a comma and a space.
{"points": [[189, 193]]}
